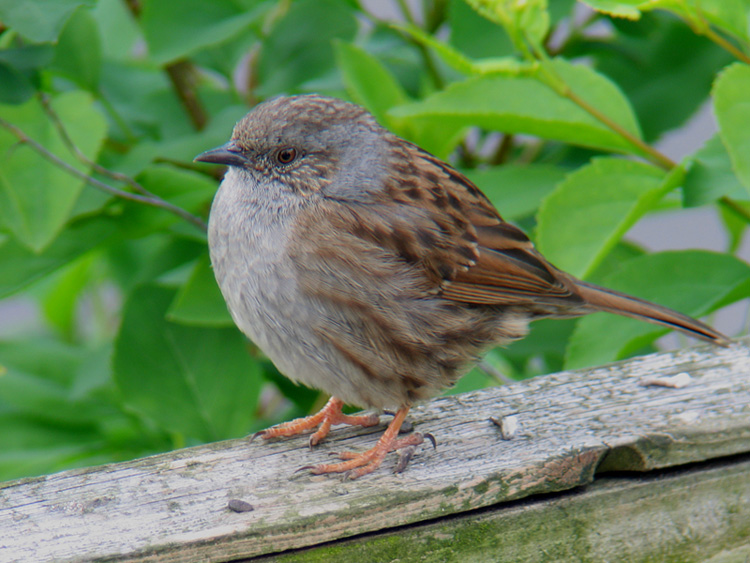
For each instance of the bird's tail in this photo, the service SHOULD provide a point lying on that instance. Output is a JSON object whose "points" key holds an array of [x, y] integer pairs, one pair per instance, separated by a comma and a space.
{"points": [[603, 299]]}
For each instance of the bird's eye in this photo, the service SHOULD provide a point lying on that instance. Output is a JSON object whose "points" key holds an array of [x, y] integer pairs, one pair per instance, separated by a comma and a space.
{"points": [[286, 155]]}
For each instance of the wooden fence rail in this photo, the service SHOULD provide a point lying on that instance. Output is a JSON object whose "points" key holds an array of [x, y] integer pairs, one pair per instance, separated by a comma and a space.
{"points": [[605, 465]]}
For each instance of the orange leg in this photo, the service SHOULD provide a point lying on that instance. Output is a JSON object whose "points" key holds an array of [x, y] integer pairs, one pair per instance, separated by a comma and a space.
{"points": [[363, 463], [328, 416]]}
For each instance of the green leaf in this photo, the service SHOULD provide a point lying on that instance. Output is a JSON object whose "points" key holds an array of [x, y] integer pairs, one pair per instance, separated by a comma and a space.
{"points": [[48, 360], [622, 252], [200, 383], [732, 108], [58, 410], [434, 135], [653, 58], [15, 88], [186, 189], [39, 20], [474, 35], [517, 190], [561, 9], [182, 147], [28, 57], [369, 82], [528, 18], [118, 30], [59, 303], [525, 105], [20, 70], [545, 344], [694, 282], [146, 259], [475, 379], [199, 301], [176, 29], [78, 51], [461, 63], [710, 176], [735, 223], [588, 213], [296, 52], [728, 15], [131, 89], [22, 266], [40, 377], [618, 8], [36, 196], [29, 446]]}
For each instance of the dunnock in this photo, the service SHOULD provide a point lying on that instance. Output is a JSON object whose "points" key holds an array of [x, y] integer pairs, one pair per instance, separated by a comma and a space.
{"points": [[366, 267]]}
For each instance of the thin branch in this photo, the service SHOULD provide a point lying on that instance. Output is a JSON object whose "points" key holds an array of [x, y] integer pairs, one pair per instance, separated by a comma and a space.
{"points": [[701, 26], [435, 14], [736, 208], [726, 45], [151, 200], [182, 76], [135, 7], [406, 12], [653, 155], [556, 82], [503, 149], [82, 158], [494, 373]]}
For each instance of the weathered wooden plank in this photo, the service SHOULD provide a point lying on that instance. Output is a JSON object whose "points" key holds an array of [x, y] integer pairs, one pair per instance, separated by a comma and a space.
{"points": [[173, 507], [684, 515]]}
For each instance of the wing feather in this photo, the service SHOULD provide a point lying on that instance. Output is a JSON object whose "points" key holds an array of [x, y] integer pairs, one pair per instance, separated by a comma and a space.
{"points": [[477, 257]]}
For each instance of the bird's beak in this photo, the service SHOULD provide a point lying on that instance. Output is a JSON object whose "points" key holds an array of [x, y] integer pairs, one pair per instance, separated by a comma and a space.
{"points": [[228, 154]]}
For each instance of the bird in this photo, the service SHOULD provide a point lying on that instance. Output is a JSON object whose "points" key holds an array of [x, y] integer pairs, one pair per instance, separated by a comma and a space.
{"points": [[366, 267]]}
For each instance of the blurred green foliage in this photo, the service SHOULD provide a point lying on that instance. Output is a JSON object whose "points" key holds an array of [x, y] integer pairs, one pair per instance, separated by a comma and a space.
{"points": [[552, 110]]}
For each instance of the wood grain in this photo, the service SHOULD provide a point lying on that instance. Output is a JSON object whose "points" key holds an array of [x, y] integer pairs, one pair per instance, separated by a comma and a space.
{"points": [[174, 507], [688, 515]]}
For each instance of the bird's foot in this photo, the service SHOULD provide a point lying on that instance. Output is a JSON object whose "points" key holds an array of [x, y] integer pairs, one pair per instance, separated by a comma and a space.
{"points": [[359, 464], [328, 416]]}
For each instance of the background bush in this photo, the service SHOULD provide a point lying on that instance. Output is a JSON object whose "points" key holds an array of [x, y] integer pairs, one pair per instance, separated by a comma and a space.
{"points": [[552, 110]]}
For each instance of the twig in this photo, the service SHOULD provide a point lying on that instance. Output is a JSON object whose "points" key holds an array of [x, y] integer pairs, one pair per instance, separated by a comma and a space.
{"points": [[653, 155], [181, 74], [494, 373], [736, 208], [701, 26], [726, 45], [503, 148], [151, 199], [135, 7], [555, 81], [71, 146]]}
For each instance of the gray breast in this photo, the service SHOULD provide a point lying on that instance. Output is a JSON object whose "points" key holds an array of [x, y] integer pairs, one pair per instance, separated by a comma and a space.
{"points": [[248, 241]]}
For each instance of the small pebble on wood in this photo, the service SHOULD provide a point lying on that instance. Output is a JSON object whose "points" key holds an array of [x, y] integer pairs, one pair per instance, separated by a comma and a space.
{"points": [[237, 505], [508, 425]]}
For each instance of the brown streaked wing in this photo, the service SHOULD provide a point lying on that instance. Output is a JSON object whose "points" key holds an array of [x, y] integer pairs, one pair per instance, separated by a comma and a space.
{"points": [[507, 269]]}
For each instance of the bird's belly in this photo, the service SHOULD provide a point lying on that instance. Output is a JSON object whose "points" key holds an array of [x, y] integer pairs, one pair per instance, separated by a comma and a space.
{"points": [[266, 303]]}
